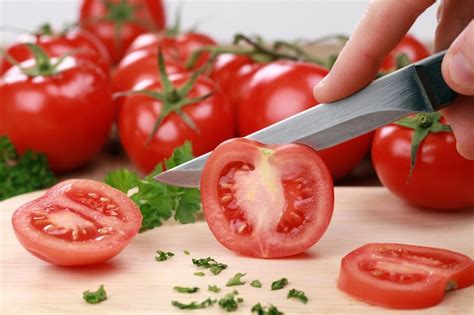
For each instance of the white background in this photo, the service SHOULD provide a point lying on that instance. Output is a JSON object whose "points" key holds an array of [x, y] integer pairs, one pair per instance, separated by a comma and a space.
{"points": [[274, 19]]}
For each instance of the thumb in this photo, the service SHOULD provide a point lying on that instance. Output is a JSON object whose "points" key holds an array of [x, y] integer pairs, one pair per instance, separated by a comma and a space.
{"points": [[458, 64]]}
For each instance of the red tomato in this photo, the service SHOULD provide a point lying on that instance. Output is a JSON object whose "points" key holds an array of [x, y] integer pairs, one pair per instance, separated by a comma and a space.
{"points": [[233, 73], [409, 46], [137, 70], [66, 116], [175, 48], [403, 276], [157, 12], [283, 88], [77, 222], [441, 178], [118, 22], [266, 201], [213, 118], [79, 42]]}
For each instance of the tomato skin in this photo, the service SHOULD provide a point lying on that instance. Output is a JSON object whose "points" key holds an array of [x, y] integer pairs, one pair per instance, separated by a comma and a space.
{"points": [[441, 179], [175, 48], [428, 290], [66, 116], [409, 46], [92, 11], [62, 252], [80, 42], [157, 11], [213, 117], [292, 165], [284, 88]]}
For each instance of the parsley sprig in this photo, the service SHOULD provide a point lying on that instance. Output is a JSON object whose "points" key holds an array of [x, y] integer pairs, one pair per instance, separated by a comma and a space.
{"points": [[262, 310], [229, 302], [194, 305], [209, 262], [186, 289], [297, 294], [279, 284], [94, 297], [158, 202], [236, 280], [162, 256]]}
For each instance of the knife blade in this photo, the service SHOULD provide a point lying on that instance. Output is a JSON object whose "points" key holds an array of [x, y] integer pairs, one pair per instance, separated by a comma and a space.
{"points": [[416, 88]]}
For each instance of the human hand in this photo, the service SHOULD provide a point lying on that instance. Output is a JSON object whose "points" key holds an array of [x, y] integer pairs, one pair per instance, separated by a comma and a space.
{"points": [[382, 27]]}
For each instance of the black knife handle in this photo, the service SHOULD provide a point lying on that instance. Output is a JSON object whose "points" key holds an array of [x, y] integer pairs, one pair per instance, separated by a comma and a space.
{"points": [[431, 81]]}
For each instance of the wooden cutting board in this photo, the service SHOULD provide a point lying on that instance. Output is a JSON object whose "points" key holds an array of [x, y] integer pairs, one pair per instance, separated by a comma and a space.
{"points": [[137, 284]]}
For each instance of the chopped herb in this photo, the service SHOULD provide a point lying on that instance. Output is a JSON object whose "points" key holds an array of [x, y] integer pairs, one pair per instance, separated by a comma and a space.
{"points": [[22, 174], [199, 274], [256, 284], [161, 255], [214, 266], [95, 297], [186, 252], [186, 289], [235, 280], [194, 305], [229, 303], [271, 310], [300, 295], [279, 284], [158, 201], [240, 300], [213, 288]]}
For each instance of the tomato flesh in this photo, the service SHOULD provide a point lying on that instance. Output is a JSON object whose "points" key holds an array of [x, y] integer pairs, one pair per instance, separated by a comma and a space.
{"points": [[77, 222], [258, 205], [403, 276]]}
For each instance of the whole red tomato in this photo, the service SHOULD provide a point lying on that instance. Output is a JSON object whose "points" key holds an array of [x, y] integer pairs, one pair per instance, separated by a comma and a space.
{"points": [[212, 118], [75, 41], [283, 88], [410, 47], [63, 111], [118, 22], [441, 178], [232, 73], [177, 48]]}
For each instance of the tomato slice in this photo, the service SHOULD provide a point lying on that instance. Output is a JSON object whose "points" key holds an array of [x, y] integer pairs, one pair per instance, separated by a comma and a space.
{"points": [[266, 201], [77, 222], [403, 276]]}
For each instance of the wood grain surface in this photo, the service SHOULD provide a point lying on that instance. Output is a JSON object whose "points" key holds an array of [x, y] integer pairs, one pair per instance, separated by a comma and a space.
{"points": [[137, 284]]}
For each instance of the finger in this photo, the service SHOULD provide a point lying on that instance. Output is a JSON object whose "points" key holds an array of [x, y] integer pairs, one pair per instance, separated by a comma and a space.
{"points": [[460, 117], [458, 64], [382, 27], [453, 17]]}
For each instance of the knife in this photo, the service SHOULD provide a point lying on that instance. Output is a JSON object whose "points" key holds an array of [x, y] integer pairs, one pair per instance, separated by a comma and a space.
{"points": [[419, 87]]}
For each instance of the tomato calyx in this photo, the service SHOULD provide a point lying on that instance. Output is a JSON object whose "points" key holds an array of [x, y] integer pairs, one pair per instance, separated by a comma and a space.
{"points": [[422, 124], [401, 61]]}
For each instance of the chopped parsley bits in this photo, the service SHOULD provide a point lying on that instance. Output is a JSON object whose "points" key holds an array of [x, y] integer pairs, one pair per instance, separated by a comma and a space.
{"points": [[161, 255], [300, 295], [213, 288], [186, 289], [186, 252], [279, 284], [236, 280], [194, 305], [199, 274], [256, 284], [270, 310], [209, 262], [94, 297], [229, 303]]}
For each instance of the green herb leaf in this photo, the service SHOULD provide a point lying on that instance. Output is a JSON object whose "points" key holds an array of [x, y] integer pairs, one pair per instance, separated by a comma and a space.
{"points": [[214, 288], [161, 255], [95, 297], [300, 295], [186, 289], [256, 284], [194, 305], [199, 274], [159, 202], [22, 174], [279, 284], [186, 252], [209, 262], [271, 310], [236, 280], [229, 303]]}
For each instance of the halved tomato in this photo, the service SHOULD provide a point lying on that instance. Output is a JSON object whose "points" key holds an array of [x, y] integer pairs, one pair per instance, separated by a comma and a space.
{"points": [[266, 201], [403, 276], [77, 222]]}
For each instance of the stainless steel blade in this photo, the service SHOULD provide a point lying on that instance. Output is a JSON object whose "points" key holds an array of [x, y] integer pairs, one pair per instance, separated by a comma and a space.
{"points": [[409, 90]]}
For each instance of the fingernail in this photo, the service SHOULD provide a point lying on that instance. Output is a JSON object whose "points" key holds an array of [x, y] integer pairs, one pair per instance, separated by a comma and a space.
{"points": [[320, 85], [461, 71]]}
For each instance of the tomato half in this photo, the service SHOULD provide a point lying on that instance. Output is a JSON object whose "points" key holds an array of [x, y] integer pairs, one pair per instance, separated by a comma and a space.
{"points": [[403, 276], [441, 177], [266, 201], [409, 46], [77, 222], [283, 88]]}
